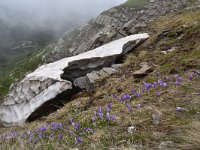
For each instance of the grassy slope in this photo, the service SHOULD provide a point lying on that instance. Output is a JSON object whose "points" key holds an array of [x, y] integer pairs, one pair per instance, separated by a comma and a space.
{"points": [[135, 3], [183, 128], [17, 71]]}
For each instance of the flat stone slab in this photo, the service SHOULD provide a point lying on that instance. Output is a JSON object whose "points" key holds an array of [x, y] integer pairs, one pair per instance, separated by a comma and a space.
{"points": [[146, 69]]}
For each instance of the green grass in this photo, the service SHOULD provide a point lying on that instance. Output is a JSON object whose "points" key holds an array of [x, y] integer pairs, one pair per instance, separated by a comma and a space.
{"points": [[18, 71], [135, 3]]}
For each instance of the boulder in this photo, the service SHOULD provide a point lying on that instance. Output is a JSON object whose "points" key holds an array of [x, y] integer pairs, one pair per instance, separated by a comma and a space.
{"points": [[50, 80], [167, 145], [127, 26], [146, 69], [87, 82]]}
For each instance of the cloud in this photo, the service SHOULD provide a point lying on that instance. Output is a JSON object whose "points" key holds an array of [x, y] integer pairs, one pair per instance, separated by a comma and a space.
{"points": [[52, 13]]}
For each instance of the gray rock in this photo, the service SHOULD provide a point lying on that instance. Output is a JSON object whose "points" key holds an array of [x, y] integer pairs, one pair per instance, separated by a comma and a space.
{"points": [[127, 26], [140, 25], [169, 50], [166, 145], [90, 79], [109, 71], [146, 69], [83, 83], [132, 30], [117, 66], [129, 46], [151, 1], [156, 118]]}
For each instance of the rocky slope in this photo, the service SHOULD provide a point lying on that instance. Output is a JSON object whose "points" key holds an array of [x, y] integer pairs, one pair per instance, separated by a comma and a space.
{"points": [[129, 18]]}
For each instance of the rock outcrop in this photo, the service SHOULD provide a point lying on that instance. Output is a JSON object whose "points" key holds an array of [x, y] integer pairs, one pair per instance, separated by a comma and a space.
{"points": [[87, 82], [113, 24], [50, 80]]}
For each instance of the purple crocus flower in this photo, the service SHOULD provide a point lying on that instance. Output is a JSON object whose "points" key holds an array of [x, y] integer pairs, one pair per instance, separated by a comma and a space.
{"points": [[88, 130], [167, 78], [100, 109], [180, 79], [56, 125], [71, 121], [93, 119], [108, 107], [70, 133], [190, 77], [148, 86], [155, 83], [107, 116], [133, 90], [176, 75], [24, 135], [14, 134], [30, 139], [143, 89], [42, 129], [138, 106], [160, 81], [75, 142], [79, 139], [177, 83], [29, 133], [129, 107], [77, 126], [158, 94], [40, 135], [113, 117], [163, 84], [158, 74], [126, 97], [61, 136], [138, 94], [144, 83], [101, 115]]}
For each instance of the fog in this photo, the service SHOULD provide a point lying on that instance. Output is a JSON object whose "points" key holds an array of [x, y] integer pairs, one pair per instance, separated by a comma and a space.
{"points": [[41, 22], [53, 14]]}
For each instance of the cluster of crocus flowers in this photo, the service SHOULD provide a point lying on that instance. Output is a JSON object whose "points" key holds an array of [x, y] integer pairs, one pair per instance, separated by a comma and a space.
{"points": [[57, 130], [100, 114]]}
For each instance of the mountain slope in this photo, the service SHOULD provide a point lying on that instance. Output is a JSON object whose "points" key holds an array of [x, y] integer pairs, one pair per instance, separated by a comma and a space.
{"points": [[165, 114], [129, 18]]}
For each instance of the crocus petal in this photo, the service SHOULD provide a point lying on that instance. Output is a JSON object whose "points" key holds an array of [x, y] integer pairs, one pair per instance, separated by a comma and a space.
{"points": [[129, 107]]}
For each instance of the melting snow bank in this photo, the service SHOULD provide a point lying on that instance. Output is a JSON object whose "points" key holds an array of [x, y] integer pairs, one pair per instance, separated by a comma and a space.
{"points": [[48, 81]]}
